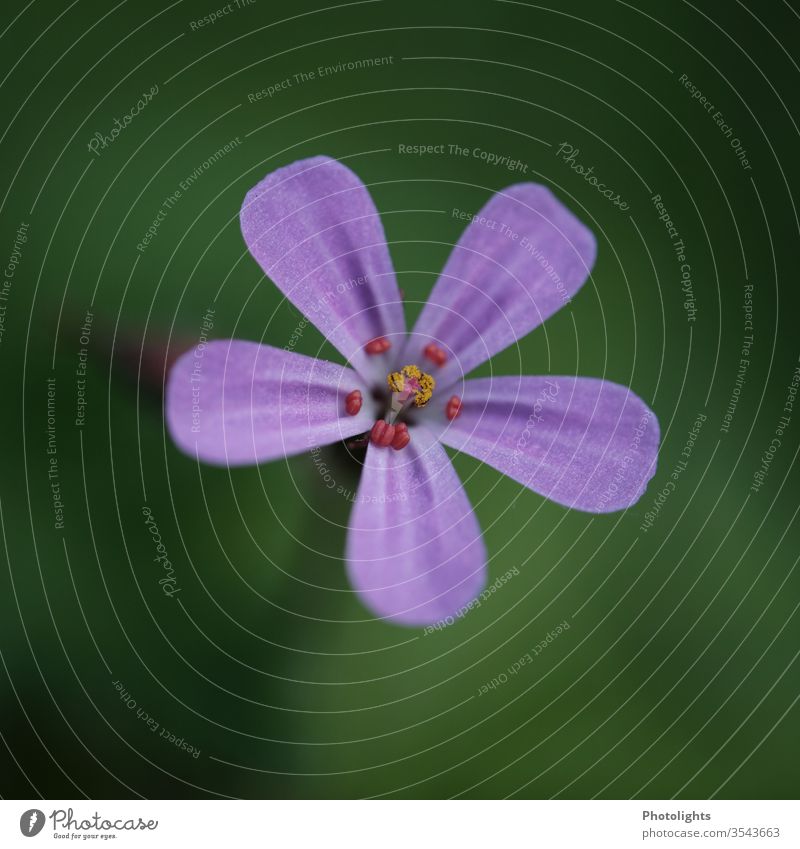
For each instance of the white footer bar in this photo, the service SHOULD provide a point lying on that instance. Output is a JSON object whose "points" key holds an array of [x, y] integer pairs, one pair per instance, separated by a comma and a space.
{"points": [[402, 824]]}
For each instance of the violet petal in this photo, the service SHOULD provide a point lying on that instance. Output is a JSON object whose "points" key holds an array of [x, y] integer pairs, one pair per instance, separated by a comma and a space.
{"points": [[521, 258], [239, 402], [314, 230], [414, 549], [583, 442]]}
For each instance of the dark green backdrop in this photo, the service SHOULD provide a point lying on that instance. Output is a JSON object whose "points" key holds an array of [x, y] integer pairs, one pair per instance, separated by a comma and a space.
{"points": [[678, 675]]}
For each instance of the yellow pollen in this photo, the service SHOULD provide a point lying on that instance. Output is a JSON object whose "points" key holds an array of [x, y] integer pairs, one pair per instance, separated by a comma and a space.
{"points": [[396, 381], [413, 381], [426, 387]]}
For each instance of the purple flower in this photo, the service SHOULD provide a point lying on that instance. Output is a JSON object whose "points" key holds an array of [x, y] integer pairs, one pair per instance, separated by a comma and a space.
{"points": [[415, 553]]}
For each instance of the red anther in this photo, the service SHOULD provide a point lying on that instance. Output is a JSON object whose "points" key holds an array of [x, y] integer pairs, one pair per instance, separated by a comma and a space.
{"points": [[377, 432], [453, 407], [378, 346], [352, 403], [435, 354], [382, 434], [387, 436], [401, 436]]}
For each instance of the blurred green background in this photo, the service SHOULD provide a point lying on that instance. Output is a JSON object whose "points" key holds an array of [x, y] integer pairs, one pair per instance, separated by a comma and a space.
{"points": [[678, 674]]}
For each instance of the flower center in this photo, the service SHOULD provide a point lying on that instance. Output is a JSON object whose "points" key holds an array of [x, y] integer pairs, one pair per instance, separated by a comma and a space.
{"points": [[409, 385]]}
